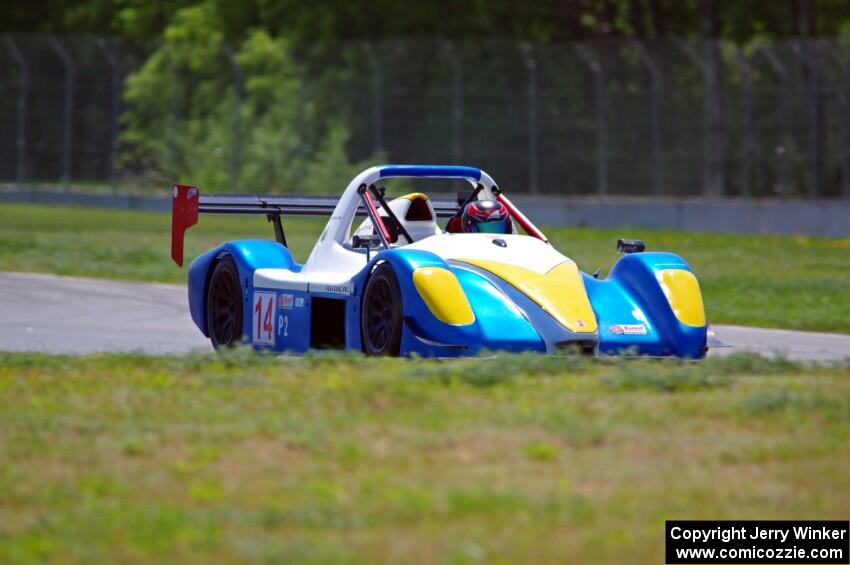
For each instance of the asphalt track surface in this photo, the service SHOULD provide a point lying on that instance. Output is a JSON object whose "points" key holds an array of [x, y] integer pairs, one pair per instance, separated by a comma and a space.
{"points": [[53, 314]]}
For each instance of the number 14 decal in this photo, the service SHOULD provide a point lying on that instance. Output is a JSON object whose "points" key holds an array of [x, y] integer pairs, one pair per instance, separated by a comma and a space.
{"points": [[265, 312]]}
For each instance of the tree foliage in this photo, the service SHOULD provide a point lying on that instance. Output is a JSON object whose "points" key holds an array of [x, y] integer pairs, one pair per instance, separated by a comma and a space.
{"points": [[540, 20], [184, 120]]}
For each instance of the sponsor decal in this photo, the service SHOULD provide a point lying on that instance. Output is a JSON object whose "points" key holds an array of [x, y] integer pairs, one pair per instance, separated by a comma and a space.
{"points": [[627, 329], [285, 301], [337, 288], [580, 323], [299, 302]]}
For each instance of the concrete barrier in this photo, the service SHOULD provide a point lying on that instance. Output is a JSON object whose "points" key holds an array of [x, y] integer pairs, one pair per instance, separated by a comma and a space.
{"points": [[816, 218], [85, 198], [825, 218]]}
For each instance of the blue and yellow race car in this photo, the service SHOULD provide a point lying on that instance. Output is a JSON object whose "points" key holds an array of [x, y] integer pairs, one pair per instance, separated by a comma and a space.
{"points": [[398, 283]]}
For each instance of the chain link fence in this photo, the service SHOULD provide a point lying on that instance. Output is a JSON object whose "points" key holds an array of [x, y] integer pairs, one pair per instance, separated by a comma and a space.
{"points": [[613, 117]]}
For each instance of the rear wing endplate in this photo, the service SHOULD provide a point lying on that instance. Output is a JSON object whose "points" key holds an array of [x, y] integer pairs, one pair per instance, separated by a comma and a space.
{"points": [[184, 215]]}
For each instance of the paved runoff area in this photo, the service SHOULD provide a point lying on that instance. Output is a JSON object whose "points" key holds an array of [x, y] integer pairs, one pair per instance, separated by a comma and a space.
{"points": [[53, 314]]}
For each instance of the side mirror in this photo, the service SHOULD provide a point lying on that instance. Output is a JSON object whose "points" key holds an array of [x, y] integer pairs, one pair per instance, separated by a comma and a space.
{"points": [[630, 246], [369, 241]]}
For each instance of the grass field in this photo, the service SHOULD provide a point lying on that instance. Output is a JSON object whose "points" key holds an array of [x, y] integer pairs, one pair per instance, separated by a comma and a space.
{"points": [[790, 282], [347, 459]]}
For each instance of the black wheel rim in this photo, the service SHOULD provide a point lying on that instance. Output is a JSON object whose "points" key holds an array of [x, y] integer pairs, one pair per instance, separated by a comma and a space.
{"points": [[224, 293], [380, 310]]}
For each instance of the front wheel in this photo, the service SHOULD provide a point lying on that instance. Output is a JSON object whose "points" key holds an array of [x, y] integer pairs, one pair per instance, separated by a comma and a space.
{"points": [[381, 312], [224, 305]]}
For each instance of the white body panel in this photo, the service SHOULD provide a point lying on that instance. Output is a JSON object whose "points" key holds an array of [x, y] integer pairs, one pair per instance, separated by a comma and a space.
{"points": [[330, 272]]}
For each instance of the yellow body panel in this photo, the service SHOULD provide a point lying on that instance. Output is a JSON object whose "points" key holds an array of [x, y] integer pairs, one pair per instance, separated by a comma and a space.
{"points": [[560, 292], [443, 295], [682, 291]]}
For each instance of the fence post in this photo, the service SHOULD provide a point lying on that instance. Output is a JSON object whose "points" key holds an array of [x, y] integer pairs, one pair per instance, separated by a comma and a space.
{"points": [[239, 95], [533, 130], [303, 147], [717, 114], [749, 126], [173, 111], [457, 102], [23, 94], [303, 151], [815, 117], [845, 119], [784, 109], [707, 173], [654, 116], [377, 100], [115, 95], [595, 68], [68, 117]]}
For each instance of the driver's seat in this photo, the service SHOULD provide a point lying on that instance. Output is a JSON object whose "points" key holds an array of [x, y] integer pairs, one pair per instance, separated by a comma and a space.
{"points": [[414, 211]]}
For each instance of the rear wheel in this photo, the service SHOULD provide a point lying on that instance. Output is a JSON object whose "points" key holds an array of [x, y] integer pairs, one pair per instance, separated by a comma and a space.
{"points": [[381, 313], [224, 305]]}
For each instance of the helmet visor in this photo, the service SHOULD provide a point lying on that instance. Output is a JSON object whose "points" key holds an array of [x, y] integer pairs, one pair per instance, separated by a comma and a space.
{"points": [[499, 226]]}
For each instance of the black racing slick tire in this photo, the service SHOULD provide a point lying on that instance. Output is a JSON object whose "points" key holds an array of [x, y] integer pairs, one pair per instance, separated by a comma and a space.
{"points": [[224, 305], [381, 312]]}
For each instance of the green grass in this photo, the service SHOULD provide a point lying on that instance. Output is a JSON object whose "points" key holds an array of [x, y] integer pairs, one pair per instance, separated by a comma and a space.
{"points": [[334, 458], [121, 244], [790, 282]]}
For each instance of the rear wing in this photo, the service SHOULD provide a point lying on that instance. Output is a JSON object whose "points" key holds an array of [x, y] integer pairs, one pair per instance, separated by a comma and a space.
{"points": [[187, 202]]}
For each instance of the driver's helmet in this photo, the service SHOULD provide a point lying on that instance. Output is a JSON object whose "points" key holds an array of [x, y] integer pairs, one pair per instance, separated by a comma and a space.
{"points": [[486, 216]]}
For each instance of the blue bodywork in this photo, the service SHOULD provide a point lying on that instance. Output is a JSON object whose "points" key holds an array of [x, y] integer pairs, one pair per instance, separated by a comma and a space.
{"points": [[431, 171], [631, 294], [505, 319], [250, 255]]}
